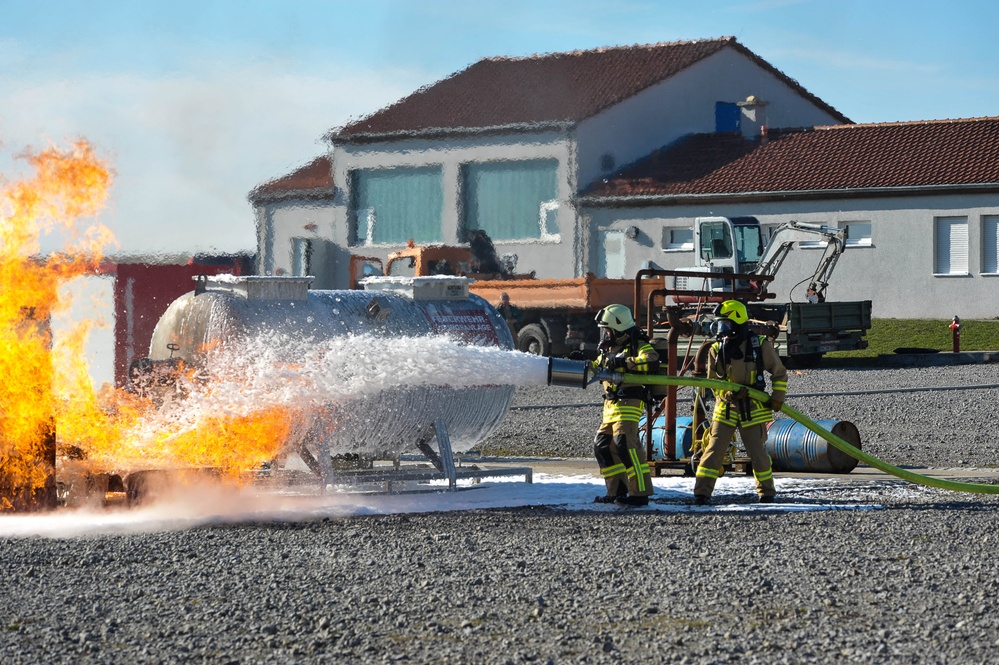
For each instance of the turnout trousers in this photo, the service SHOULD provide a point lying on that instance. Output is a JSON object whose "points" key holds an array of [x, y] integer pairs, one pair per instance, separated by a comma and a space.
{"points": [[754, 437], [622, 460]]}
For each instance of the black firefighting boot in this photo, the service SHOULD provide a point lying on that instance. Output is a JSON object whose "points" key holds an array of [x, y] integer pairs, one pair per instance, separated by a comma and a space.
{"points": [[632, 501]]}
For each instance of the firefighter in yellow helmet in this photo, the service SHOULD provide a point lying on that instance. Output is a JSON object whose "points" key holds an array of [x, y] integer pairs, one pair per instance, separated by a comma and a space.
{"points": [[742, 357], [616, 445]]}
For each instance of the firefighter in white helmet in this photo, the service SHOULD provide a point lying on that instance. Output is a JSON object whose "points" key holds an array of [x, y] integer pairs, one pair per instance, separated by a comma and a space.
{"points": [[739, 356], [616, 446]]}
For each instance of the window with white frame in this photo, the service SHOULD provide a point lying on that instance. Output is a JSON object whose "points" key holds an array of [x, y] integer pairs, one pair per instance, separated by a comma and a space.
{"points": [[858, 234], [990, 244], [677, 240], [549, 220], [950, 246], [804, 241], [767, 231]]}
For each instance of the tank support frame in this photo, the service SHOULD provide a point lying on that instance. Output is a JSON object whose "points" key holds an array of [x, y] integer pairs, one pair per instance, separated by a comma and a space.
{"points": [[438, 464]]}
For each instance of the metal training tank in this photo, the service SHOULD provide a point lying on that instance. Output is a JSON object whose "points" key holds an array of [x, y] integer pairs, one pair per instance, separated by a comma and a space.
{"points": [[223, 309]]}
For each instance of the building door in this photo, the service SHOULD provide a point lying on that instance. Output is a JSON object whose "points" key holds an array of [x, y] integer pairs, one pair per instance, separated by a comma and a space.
{"points": [[611, 254]]}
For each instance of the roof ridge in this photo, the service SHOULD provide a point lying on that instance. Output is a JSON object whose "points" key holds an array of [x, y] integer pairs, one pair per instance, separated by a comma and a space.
{"points": [[527, 92], [903, 123], [606, 49]]}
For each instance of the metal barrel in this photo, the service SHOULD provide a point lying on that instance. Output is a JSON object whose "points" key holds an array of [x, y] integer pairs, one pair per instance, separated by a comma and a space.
{"points": [[684, 438], [794, 447], [224, 309]]}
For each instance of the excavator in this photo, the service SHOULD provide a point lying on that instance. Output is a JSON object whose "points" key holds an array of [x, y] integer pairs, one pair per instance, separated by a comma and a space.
{"points": [[733, 261], [781, 244], [735, 245]]}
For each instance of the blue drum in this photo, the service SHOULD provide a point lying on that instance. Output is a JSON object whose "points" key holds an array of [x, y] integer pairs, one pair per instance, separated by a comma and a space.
{"points": [[683, 436]]}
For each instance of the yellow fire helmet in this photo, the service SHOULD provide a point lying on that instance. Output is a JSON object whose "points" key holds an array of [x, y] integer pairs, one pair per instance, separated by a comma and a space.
{"points": [[734, 311], [616, 317]]}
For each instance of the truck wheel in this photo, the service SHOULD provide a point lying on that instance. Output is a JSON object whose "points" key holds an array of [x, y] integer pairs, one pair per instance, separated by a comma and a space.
{"points": [[532, 339]]}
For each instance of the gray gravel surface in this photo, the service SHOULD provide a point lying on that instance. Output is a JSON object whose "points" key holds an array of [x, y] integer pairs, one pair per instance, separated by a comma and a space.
{"points": [[913, 581]]}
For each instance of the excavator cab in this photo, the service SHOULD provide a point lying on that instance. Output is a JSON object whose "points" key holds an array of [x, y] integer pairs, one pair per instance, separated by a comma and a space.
{"points": [[748, 242], [729, 244]]}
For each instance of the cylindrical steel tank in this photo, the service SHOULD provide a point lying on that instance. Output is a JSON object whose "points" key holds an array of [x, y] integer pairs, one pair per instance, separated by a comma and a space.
{"points": [[223, 309], [794, 447]]}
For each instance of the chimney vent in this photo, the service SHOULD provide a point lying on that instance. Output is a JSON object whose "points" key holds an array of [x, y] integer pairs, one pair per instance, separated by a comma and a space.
{"points": [[754, 117]]}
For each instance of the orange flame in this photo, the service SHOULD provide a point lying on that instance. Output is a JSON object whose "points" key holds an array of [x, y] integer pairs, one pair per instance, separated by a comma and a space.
{"points": [[45, 383], [67, 185]]}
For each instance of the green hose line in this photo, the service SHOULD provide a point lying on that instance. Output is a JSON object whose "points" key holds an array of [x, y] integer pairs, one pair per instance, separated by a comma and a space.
{"points": [[846, 447]]}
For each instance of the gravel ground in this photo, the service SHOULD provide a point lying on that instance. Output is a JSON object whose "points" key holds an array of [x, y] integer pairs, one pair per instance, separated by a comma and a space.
{"points": [[915, 581]]}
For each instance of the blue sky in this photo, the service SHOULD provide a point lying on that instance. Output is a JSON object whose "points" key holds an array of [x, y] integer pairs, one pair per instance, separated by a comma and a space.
{"points": [[195, 103]]}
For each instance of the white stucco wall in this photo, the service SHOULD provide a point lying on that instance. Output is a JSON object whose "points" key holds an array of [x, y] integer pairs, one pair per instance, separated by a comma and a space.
{"points": [[685, 104], [550, 257], [280, 222], [895, 272]]}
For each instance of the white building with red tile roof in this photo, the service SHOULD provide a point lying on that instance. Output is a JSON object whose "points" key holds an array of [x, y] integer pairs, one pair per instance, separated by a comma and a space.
{"points": [[598, 161]]}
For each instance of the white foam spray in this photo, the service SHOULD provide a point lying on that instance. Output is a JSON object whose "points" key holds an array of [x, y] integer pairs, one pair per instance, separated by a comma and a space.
{"points": [[370, 383]]}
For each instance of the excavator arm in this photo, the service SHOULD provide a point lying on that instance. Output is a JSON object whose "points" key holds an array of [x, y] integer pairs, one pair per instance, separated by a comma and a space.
{"points": [[778, 248]]}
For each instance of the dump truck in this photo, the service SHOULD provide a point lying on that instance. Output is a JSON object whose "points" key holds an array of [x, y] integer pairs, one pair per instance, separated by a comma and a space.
{"points": [[556, 316]]}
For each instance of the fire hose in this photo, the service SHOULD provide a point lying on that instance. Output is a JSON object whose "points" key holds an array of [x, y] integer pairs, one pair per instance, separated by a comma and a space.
{"points": [[838, 442], [563, 375]]}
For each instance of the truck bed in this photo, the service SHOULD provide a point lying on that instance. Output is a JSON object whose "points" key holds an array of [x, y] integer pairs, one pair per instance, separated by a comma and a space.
{"points": [[582, 294], [829, 316]]}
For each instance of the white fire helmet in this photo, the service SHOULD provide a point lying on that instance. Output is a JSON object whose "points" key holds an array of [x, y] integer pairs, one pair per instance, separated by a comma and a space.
{"points": [[616, 317]]}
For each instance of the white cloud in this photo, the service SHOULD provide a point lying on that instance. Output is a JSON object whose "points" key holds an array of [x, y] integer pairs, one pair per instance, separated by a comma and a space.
{"points": [[188, 149]]}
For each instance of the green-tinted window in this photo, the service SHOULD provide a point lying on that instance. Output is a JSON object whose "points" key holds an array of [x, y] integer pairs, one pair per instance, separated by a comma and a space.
{"points": [[505, 199], [716, 241], [394, 205]]}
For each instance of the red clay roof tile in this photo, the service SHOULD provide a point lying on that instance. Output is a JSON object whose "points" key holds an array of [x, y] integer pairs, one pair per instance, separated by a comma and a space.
{"points": [[314, 181], [841, 157]]}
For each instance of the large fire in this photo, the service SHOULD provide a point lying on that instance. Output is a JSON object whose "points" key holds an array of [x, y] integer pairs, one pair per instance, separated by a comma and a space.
{"points": [[46, 389]]}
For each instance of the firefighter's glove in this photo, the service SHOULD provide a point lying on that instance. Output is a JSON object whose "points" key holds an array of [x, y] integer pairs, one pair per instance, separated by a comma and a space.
{"points": [[737, 395], [775, 403], [620, 361]]}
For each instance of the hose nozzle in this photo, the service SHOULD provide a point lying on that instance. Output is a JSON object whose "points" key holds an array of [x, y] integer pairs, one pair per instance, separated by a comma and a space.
{"points": [[568, 373], [577, 373]]}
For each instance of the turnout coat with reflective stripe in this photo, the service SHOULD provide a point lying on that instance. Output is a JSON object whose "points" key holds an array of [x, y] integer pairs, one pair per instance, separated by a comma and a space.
{"points": [[625, 403], [743, 371]]}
